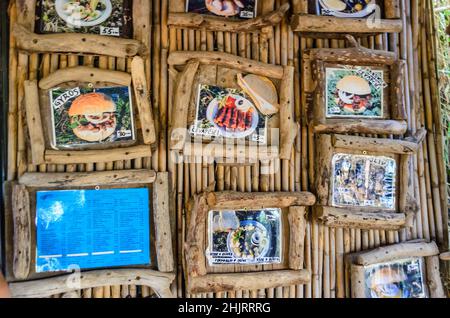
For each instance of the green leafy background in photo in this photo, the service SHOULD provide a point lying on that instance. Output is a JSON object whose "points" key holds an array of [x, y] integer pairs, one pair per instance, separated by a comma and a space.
{"points": [[333, 77]]}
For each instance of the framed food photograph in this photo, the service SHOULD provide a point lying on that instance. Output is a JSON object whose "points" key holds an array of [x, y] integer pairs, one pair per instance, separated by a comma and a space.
{"points": [[232, 110], [244, 237], [103, 17], [354, 90], [243, 9], [229, 229], [405, 270], [364, 182], [90, 221], [335, 18], [85, 114]]}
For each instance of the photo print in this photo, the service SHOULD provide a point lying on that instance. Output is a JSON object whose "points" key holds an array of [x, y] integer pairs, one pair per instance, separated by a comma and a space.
{"points": [[354, 91], [83, 116], [397, 279], [104, 17], [244, 9], [244, 237], [228, 113], [346, 8], [363, 181]]}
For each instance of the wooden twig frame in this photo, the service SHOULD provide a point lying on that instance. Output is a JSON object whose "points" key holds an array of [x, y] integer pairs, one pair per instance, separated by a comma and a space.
{"points": [[392, 119], [292, 273], [260, 24], [36, 95], [386, 19], [428, 252], [217, 68], [366, 217], [23, 212]]}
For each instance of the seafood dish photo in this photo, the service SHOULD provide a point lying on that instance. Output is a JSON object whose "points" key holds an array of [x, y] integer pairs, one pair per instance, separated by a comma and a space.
{"points": [[245, 9], [245, 236], [346, 8]]}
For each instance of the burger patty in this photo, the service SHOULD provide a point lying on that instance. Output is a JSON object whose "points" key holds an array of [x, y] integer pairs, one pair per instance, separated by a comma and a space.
{"points": [[108, 123]]}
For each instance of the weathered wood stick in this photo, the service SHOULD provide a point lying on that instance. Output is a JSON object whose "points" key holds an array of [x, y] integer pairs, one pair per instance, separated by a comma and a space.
{"points": [[240, 200], [375, 144], [344, 126], [163, 238], [22, 231], [341, 217], [288, 126], [84, 74], [213, 23], [227, 60], [434, 277], [142, 96], [296, 218], [392, 9], [76, 43], [92, 156], [357, 274], [87, 179], [353, 55], [397, 251], [159, 282], [247, 281], [312, 24], [34, 123], [445, 256]]}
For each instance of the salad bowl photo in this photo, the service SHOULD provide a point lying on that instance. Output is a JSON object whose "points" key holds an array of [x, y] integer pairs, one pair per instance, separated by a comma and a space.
{"points": [[83, 13]]}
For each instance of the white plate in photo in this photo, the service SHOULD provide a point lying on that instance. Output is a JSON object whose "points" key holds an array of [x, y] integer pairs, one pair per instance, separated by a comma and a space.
{"points": [[334, 5], [211, 113], [75, 14], [260, 233]]}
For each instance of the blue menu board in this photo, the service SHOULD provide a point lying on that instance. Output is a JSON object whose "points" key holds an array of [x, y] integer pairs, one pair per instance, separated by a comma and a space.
{"points": [[92, 228]]}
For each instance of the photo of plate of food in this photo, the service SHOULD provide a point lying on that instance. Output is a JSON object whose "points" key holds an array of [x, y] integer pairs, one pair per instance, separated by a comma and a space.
{"points": [[245, 9], [347, 8], [244, 237], [83, 13], [354, 92]]}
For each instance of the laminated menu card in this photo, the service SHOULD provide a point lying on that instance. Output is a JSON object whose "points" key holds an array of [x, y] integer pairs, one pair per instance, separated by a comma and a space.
{"points": [[244, 9]]}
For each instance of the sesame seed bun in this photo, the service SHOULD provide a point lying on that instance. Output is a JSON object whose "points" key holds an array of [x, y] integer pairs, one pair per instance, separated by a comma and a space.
{"points": [[354, 85], [94, 135], [92, 104]]}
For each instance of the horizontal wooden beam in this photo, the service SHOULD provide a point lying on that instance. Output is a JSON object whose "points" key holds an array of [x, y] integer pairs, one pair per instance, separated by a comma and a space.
{"points": [[363, 126], [247, 281], [215, 23], [227, 60], [92, 156], [84, 74], [76, 43], [256, 200], [342, 217], [445, 256], [313, 24], [87, 179], [159, 282], [397, 251]]}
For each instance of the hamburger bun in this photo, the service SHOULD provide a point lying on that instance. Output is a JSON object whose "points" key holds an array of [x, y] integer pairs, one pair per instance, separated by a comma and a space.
{"points": [[354, 85], [92, 104], [94, 135]]}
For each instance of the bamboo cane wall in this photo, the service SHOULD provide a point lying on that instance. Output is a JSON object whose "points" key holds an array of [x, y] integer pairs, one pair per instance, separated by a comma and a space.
{"points": [[325, 248]]}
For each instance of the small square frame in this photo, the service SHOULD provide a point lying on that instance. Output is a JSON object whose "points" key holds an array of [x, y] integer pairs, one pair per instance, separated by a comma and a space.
{"points": [[197, 277], [355, 265]]}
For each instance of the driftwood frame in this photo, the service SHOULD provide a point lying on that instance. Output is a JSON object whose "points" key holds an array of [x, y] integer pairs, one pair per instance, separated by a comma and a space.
{"points": [[366, 217], [197, 277], [201, 64], [393, 120], [334, 27], [20, 266], [356, 262], [40, 151]]}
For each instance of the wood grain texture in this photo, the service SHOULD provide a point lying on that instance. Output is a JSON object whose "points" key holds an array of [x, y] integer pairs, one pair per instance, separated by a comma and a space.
{"points": [[22, 231]]}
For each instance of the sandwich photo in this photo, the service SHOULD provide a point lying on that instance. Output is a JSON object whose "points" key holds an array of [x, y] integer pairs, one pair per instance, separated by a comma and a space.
{"points": [[245, 9], [86, 117], [229, 113], [354, 92], [346, 8], [398, 279]]}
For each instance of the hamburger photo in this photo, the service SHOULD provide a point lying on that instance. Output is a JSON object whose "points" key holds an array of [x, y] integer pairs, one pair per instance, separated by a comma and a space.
{"points": [[92, 117], [353, 94]]}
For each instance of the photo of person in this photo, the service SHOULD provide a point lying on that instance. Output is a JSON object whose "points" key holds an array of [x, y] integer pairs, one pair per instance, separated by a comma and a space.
{"points": [[245, 9]]}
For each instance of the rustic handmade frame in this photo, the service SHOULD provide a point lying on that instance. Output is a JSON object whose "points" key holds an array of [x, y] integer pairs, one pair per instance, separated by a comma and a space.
{"points": [[199, 65], [393, 119], [40, 151], [21, 263], [356, 263], [329, 26], [197, 277], [366, 217]]}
